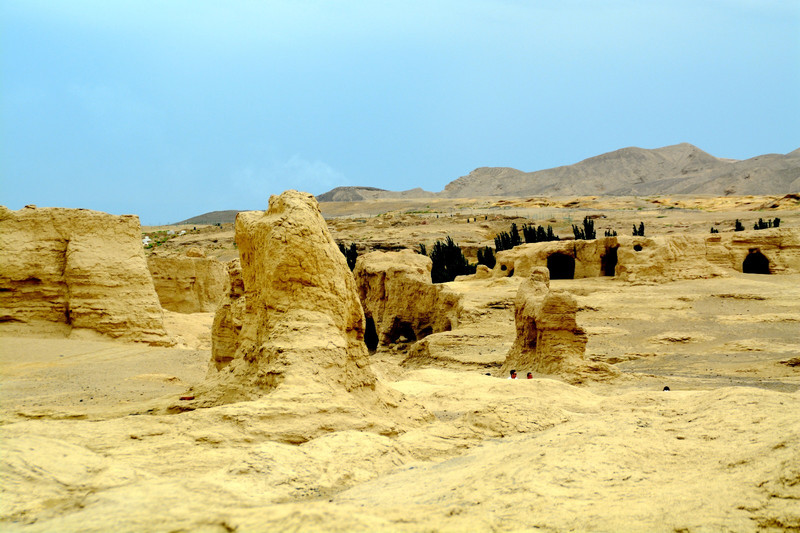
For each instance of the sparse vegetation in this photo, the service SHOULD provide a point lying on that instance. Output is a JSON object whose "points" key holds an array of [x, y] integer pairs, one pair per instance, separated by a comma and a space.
{"points": [[587, 232], [486, 257], [638, 231], [738, 226], [507, 240], [610, 233], [714, 230], [538, 233], [761, 224], [448, 261]]}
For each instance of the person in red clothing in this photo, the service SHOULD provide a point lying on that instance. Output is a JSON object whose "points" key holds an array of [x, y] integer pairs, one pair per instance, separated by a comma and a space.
{"points": [[530, 375], [513, 375]]}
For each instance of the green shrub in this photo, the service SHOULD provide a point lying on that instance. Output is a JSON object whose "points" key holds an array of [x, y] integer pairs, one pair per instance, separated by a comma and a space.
{"points": [[448, 262], [586, 233], [486, 257]]}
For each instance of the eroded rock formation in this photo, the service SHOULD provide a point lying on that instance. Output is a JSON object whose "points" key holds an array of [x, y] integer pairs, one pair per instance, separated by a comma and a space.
{"points": [[549, 340], [300, 353], [228, 319], [189, 284], [76, 271], [399, 299]]}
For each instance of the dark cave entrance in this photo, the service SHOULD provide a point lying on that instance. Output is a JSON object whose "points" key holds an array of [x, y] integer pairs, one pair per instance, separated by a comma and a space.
{"points": [[608, 261], [401, 329], [561, 266], [370, 335], [755, 263]]}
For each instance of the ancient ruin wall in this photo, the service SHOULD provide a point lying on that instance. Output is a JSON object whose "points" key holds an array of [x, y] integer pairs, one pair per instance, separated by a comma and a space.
{"points": [[74, 271], [399, 299], [657, 258], [188, 284]]}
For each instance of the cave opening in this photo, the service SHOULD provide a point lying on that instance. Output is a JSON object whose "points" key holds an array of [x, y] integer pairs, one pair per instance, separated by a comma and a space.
{"points": [[561, 266], [755, 263], [370, 335], [608, 261]]}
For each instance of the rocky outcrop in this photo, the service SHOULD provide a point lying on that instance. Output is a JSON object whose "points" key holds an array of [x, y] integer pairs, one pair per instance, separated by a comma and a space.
{"points": [[300, 353], [399, 299], [659, 258], [75, 271], [228, 319], [549, 340], [189, 284]]}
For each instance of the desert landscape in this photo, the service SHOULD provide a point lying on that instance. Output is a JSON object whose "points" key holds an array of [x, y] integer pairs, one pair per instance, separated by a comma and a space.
{"points": [[241, 378]]}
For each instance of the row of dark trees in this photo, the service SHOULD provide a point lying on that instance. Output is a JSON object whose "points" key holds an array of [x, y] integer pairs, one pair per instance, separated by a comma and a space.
{"points": [[448, 261], [774, 223], [761, 224], [506, 240], [486, 257], [586, 231]]}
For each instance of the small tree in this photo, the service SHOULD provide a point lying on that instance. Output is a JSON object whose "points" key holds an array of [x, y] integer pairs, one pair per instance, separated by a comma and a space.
{"points": [[515, 239], [486, 257], [586, 232], [448, 262], [422, 250], [714, 230], [503, 241], [638, 231], [611, 233], [761, 224], [738, 226]]}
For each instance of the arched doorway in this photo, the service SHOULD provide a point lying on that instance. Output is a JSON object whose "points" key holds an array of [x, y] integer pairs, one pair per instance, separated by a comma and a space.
{"points": [[370, 335], [755, 263], [608, 261], [561, 266]]}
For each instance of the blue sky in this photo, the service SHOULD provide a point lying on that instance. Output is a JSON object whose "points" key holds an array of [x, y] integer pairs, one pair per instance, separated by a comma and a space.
{"points": [[169, 109]]}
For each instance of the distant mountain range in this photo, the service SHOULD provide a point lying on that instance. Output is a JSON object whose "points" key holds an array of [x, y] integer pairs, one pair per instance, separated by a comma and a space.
{"points": [[679, 169]]}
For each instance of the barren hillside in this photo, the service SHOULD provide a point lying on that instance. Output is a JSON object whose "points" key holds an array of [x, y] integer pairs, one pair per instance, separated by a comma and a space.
{"points": [[679, 169]]}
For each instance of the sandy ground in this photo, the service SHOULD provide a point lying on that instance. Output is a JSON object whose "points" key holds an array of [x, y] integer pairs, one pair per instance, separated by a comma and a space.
{"points": [[719, 452], [81, 449]]}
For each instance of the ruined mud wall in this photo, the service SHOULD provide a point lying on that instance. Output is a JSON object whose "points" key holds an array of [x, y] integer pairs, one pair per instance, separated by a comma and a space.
{"points": [[75, 270], [188, 284], [657, 258], [399, 299]]}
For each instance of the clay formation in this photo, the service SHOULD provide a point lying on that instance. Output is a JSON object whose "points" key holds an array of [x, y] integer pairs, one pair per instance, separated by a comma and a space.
{"points": [[301, 346], [77, 272], [399, 299], [189, 284], [548, 339]]}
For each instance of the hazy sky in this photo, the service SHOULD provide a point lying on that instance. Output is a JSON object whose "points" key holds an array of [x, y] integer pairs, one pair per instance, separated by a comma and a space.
{"points": [[168, 109]]}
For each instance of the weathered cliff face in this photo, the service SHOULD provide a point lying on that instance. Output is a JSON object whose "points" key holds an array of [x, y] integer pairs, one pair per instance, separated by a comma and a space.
{"points": [[548, 339], [228, 319], [659, 258], [300, 353], [189, 284], [76, 271], [399, 299]]}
